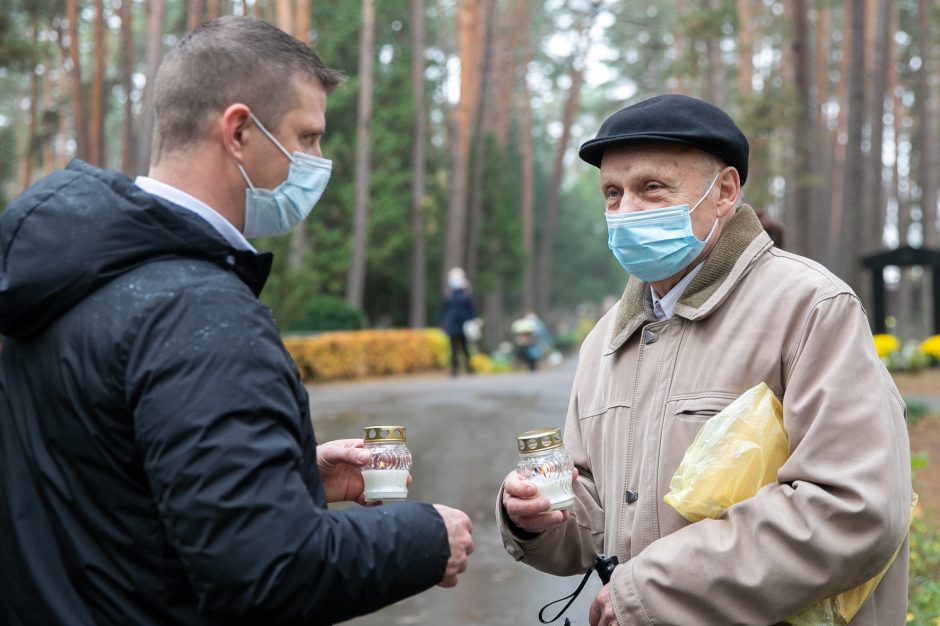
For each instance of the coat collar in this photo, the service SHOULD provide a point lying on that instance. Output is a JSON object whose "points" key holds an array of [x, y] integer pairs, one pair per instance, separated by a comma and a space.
{"points": [[740, 244]]}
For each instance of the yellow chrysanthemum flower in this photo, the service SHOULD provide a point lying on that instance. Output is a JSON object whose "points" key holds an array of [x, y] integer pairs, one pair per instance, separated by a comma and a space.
{"points": [[886, 344], [931, 346]]}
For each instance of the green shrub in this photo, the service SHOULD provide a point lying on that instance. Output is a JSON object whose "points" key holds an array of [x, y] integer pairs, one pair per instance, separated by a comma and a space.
{"points": [[327, 313]]}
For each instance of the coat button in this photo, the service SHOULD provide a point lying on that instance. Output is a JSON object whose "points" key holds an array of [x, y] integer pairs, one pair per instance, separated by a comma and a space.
{"points": [[630, 496], [649, 337]]}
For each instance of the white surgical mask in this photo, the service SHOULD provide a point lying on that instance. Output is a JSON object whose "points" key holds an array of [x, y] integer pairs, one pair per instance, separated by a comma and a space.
{"points": [[277, 211]]}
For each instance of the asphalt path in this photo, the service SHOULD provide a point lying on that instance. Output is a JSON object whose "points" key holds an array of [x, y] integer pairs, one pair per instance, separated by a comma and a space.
{"points": [[461, 432]]}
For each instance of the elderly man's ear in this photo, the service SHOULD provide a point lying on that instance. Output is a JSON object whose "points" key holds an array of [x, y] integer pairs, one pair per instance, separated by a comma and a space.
{"points": [[729, 187]]}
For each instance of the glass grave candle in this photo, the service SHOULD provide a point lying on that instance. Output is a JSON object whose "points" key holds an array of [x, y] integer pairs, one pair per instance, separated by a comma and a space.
{"points": [[386, 473], [544, 461]]}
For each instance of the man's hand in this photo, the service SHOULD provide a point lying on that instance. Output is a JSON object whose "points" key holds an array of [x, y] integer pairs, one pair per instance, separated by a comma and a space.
{"points": [[340, 463], [525, 510], [602, 611], [459, 528]]}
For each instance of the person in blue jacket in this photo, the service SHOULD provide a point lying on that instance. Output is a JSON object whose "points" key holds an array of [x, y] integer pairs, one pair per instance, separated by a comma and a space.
{"points": [[158, 464], [456, 310]]}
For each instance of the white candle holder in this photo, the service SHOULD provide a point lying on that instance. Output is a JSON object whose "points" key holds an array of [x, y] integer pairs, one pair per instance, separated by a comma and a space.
{"points": [[386, 473], [544, 461]]}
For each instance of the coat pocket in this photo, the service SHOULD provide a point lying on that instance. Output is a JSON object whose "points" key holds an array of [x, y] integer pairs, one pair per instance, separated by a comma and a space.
{"points": [[700, 407]]}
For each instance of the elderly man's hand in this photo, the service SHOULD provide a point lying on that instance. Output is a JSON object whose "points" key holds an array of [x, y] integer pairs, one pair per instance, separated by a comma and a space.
{"points": [[602, 611], [527, 511]]}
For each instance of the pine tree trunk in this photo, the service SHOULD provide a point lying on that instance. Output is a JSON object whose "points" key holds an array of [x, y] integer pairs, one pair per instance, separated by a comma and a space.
{"points": [[822, 192], [851, 232], [506, 65], [527, 199], [30, 157], [194, 15], [745, 50], [799, 219], [874, 194], [355, 284], [154, 52], [716, 86], [48, 107], [212, 9], [927, 93], [96, 113], [468, 51], [64, 84], [78, 118], [127, 71], [838, 148], [478, 132], [418, 302], [302, 20], [299, 25]]}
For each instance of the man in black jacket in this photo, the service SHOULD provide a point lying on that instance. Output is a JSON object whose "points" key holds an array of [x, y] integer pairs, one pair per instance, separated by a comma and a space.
{"points": [[158, 461]]}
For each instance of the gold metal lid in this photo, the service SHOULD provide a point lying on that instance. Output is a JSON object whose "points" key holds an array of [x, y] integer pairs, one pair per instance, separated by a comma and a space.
{"points": [[538, 440], [384, 434]]}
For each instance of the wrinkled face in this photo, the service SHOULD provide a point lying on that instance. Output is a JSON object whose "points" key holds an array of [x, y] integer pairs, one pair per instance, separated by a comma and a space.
{"points": [[641, 177], [299, 130]]}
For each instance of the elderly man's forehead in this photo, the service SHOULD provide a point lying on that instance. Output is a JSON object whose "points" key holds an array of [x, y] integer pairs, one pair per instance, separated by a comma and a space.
{"points": [[652, 150]]}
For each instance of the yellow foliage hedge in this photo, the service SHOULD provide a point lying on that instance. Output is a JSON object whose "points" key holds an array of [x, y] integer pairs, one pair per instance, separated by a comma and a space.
{"points": [[363, 353]]}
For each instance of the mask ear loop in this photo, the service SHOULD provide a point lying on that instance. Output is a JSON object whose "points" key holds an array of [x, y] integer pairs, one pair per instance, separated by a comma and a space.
{"points": [[271, 137], [707, 191], [705, 195], [244, 175]]}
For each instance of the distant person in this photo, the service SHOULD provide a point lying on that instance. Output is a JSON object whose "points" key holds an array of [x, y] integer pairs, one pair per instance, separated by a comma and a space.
{"points": [[711, 309], [531, 339], [456, 310], [158, 461]]}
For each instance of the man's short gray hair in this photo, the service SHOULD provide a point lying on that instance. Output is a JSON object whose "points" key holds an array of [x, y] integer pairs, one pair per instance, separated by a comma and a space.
{"points": [[226, 61]]}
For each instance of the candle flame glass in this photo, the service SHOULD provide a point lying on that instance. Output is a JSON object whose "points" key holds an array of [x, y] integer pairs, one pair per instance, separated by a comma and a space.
{"points": [[386, 473], [544, 461]]}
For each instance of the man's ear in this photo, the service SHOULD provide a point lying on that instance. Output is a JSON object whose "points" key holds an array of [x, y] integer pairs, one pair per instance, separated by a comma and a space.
{"points": [[234, 122], [729, 190]]}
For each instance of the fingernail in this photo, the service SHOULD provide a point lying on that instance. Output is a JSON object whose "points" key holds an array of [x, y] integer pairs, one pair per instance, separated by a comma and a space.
{"points": [[364, 456]]}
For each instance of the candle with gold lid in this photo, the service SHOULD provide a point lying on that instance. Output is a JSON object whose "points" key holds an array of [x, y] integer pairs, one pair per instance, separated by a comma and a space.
{"points": [[386, 473], [544, 461]]}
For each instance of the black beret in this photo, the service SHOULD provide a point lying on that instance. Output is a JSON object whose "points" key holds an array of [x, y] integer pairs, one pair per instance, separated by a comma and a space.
{"points": [[672, 118]]}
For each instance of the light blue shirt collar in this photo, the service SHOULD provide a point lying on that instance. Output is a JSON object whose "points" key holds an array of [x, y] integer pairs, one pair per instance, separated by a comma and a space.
{"points": [[181, 198], [664, 307]]}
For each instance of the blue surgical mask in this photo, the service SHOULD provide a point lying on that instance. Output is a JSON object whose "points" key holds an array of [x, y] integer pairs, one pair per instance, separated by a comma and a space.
{"points": [[278, 211], [657, 243]]}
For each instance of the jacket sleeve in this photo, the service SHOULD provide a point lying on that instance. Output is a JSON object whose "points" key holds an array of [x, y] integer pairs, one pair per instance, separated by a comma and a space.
{"points": [[218, 427], [570, 548], [833, 519]]}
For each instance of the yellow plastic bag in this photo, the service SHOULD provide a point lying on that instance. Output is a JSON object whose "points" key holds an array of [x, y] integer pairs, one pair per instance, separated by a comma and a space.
{"points": [[737, 452]]}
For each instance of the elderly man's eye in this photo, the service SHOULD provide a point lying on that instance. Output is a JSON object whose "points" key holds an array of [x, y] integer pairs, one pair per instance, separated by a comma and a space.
{"points": [[612, 193]]}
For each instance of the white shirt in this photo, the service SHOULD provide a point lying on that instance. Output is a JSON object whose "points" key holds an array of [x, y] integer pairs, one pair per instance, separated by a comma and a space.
{"points": [[664, 307], [181, 198]]}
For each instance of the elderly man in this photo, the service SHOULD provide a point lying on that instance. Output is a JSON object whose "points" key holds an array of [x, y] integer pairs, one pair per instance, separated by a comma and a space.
{"points": [[158, 460], [711, 309]]}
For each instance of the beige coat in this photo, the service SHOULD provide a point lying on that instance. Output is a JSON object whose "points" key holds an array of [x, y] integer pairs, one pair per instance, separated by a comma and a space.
{"points": [[840, 506]]}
